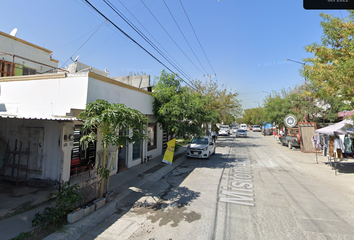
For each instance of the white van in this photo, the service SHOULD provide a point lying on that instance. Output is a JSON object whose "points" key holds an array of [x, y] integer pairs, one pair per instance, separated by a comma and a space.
{"points": [[243, 126]]}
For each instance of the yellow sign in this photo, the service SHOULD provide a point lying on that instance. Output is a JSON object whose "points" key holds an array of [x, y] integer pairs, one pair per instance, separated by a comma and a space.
{"points": [[170, 151]]}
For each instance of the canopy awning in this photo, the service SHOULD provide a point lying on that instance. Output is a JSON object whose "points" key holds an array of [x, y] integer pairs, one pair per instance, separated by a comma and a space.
{"points": [[335, 128]]}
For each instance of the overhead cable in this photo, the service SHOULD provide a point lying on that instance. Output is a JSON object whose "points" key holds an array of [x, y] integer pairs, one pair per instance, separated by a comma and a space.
{"points": [[197, 37], [84, 43], [154, 39], [171, 37], [142, 35], [184, 36], [130, 38]]}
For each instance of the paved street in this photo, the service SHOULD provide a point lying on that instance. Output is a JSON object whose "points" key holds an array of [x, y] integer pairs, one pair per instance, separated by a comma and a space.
{"points": [[253, 188]]}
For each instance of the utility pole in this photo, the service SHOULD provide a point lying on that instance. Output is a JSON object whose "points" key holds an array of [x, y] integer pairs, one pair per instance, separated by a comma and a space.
{"points": [[209, 127], [209, 79]]}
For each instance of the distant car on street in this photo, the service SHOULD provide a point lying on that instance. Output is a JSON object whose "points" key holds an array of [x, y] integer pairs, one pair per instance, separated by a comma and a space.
{"points": [[234, 129], [224, 132], [243, 126], [257, 128], [201, 147], [241, 133]]}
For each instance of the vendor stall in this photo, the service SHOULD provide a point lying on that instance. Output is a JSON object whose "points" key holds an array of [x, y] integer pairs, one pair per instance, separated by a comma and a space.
{"points": [[335, 141]]}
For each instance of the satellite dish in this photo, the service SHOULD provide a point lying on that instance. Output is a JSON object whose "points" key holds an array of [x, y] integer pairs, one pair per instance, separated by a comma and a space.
{"points": [[13, 32], [76, 58]]}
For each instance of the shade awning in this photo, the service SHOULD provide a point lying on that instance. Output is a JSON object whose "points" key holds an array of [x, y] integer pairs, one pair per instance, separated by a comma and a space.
{"points": [[335, 128]]}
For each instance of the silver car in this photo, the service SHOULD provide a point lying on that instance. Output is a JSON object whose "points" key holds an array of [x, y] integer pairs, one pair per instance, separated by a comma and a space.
{"points": [[201, 147], [241, 133]]}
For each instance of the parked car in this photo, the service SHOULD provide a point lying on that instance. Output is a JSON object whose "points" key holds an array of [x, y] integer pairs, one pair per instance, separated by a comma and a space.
{"points": [[201, 147], [234, 129], [241, 133], [290, 141], [243, 126], [224, 132], [256, 128]]}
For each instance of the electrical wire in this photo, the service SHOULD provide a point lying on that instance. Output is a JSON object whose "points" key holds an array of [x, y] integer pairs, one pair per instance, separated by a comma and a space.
{"points": [[154, 39], [84, 43], [105, 40], [143, 36], [171, 37], [197, 37], [130, 38], [184, 36]]}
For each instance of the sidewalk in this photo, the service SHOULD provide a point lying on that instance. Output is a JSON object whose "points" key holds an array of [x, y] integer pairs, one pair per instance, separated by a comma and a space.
{"points": [[119, 183]]}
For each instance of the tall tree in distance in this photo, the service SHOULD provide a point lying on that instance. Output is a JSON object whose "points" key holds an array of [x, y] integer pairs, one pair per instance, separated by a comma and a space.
{"points": [[224, 102]]}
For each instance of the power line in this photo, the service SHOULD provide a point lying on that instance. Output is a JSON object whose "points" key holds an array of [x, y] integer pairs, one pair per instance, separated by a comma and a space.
{"points": [[154, 39], [83, 43], [170, 36], [197, 37], [184, 36], [130, 38], [142, 35]]}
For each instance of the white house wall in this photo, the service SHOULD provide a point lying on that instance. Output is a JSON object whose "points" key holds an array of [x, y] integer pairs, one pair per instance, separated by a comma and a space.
{"points": [[19, 47], [56, 95], [116, 94], [53, 95]]}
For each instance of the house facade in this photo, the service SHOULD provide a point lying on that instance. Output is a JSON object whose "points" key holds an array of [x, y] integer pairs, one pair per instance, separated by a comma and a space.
{"points": [[19, 57], [40, 128]]}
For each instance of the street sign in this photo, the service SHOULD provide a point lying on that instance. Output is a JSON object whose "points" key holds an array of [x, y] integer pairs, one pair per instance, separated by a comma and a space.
{"points": [[290, 121]]}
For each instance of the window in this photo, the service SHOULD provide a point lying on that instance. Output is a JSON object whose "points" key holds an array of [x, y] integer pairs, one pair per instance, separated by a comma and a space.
{"points": [[137, 149], [82, 158], [28, 71], [6, 69], [152, 142]]}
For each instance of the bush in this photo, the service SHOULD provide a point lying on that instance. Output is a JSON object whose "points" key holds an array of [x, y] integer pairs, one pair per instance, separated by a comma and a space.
{"points": [[68, 199]]}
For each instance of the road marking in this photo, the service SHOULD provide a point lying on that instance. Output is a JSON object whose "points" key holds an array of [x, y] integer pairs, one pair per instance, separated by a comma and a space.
{"points": [[240, 189]]}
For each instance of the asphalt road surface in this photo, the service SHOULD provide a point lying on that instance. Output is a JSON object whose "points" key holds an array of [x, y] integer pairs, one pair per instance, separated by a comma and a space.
{"points": [[252, 188]]}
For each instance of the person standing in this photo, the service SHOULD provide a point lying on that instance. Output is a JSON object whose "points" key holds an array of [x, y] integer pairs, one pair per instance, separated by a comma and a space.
{"points": [[214, 136], [275, 134]]}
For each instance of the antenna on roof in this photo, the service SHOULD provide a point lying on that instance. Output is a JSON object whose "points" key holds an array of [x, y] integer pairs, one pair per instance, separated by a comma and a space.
{"points": [[75, 58], [14, 32]]}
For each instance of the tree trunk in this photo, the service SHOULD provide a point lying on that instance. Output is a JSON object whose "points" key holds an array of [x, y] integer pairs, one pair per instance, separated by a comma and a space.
{"points": [[103, 165], [110, 167]]}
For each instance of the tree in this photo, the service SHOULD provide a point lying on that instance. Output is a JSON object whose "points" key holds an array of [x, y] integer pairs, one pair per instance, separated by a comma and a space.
{"points": [[221, 100], [180, 110], [109, 119], [277, 108], [330, 70], [254, 116]]}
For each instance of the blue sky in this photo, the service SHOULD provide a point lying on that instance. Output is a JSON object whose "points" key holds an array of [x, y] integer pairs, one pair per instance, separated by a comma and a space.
{"points": [[246, 42]]}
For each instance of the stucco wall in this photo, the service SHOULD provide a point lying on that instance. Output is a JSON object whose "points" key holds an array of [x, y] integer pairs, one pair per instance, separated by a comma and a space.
{"points": [[44, 138], [16, 46], [45, 97], [116, 94]]}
